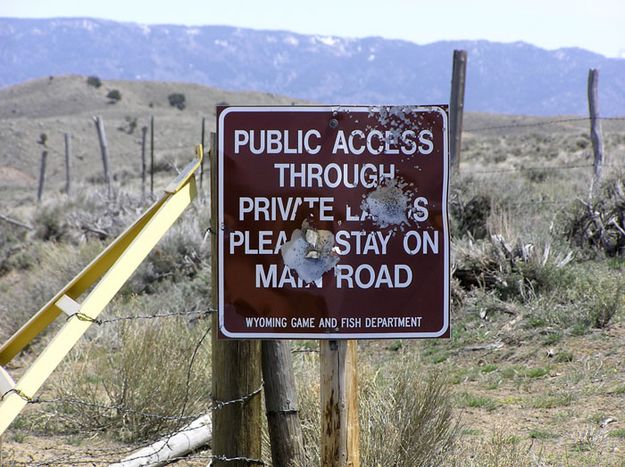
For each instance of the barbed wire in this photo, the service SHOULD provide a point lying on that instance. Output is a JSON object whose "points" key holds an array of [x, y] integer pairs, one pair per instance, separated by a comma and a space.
{"points": [[122, 409], [528, 169], [539, 124], [173, 314]]}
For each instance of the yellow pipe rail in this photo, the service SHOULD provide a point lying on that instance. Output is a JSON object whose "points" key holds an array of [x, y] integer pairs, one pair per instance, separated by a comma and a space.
{"points": [[110, 269]]}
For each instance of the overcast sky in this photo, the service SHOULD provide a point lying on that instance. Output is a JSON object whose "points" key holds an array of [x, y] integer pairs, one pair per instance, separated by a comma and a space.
{"points": [[596, 25]]}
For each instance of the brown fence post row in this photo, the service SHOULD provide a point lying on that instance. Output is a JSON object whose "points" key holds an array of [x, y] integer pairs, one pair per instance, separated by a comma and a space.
{"points": [[595, 124], [68, 163], [99, 124], [340, 427], [285, 429], [236, 375], [456, 107], [42, 175]]}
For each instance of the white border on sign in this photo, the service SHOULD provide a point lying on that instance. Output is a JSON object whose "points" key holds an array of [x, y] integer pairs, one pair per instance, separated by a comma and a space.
{"points": [[320, 335]]}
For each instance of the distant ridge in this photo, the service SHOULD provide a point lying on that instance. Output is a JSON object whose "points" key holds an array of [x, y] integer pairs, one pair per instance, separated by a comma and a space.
{"points": [[515, 78]]}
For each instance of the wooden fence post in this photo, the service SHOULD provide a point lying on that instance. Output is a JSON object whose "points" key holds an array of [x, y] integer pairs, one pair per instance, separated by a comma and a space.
{"points": [[595, 124], [42, 175], [99, 124], [340, 428], [152, 155], [285, 429], [68, 164], [236, 374], [144, 131], [456, 107]]}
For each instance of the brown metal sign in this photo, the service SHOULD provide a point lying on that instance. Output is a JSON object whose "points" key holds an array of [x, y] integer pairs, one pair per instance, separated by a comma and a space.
{"points": [[333, 222]]}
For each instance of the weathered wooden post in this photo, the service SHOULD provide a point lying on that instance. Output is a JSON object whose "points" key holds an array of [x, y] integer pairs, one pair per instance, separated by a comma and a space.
{"points": [[456, 107], [285, 428], [99, 124], [152, 155], [595, 124], [340, 428], [144, 130], [68, 156], [236, 374], [42, 175]]}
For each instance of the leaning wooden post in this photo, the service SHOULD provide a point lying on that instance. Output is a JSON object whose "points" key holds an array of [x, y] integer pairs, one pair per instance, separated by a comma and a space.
{"points": [[236, 374], [42, 175], [152, 155], [68, 164], [144, 131], [285, 428], [104, 151], [456, 107], [595, 124], [340, 428]]}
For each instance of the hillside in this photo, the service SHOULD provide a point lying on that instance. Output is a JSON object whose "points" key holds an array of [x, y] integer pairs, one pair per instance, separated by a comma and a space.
{"points": [[513, 78], [67, 104]]}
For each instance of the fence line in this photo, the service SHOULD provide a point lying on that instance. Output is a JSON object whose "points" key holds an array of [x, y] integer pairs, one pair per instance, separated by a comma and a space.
{"points": [[116, 454], [539, 124]]}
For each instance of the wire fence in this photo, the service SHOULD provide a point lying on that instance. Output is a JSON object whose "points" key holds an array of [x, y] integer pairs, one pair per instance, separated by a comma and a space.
{"points": [[99, 456], [91, 455], [104, 456], [542, 123]]}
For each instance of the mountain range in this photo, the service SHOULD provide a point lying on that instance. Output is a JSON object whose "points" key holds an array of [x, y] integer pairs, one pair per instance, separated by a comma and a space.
{"points": [[512, 78]]}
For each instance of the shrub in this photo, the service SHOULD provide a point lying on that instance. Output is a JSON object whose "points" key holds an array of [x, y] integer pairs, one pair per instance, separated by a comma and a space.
{"points": [[51, 224], [13, 250], [94, 81], [56, 264], [177, 100], [599, 223], [510, 269], [130, 125], [470, 217], [138, 381], [406, 416], [114, 95]]}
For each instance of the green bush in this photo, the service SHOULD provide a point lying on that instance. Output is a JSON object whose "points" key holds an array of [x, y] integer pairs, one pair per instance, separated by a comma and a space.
{"points": [[137, 380], [177, 100], [114, 95], [598, 224], [94, 81], [51, 224]]}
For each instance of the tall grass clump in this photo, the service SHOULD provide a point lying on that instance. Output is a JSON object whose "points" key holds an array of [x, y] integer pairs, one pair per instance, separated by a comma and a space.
{"points": [[142, 379], [56, 264], [406, 417]]}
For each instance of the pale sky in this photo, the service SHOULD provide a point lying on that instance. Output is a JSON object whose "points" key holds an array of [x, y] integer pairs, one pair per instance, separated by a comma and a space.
{"points": [[596, 25]]}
